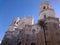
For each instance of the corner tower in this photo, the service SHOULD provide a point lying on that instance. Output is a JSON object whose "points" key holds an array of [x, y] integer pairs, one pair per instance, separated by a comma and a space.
{"points": [[46, 10]]}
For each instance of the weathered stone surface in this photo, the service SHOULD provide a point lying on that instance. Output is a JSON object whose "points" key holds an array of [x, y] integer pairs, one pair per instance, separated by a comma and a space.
{"points": [[23, 32]]}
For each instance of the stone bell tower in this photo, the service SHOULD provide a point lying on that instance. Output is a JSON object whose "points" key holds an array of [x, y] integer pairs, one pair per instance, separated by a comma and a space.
{"points": [[51, 29], [46, 10]]}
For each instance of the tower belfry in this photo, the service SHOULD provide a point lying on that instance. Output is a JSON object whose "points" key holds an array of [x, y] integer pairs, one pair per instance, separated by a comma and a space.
{"points": [[46, 10]]}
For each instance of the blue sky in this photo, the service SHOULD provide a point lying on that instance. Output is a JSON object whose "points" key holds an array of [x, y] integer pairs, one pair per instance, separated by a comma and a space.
{"points": [[9, 9]]}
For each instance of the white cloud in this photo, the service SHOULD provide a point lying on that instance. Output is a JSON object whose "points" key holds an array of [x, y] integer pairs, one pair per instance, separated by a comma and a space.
{"points": [[0, 42]]}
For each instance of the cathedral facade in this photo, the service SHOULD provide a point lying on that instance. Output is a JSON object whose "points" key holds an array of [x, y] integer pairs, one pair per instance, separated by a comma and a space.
{"points": [[45, 32]]}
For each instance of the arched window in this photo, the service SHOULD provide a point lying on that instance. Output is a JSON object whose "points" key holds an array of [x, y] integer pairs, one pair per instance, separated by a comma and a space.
{"points": [[33, 30], [45, 16], [33, 44], [44, 7]]}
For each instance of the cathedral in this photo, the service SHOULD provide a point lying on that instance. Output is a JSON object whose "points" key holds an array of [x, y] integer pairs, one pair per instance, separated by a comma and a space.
{"points": [[45, 32]]}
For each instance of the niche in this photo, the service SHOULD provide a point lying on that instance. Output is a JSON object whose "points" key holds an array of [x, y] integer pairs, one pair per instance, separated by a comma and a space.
{"points": [[33, 44]]}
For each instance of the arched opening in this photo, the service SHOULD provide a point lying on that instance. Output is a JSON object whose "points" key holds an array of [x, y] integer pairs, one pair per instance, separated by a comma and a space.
{"points": [[44, 16], [19, 43], [33, 44], [44, 7]]}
